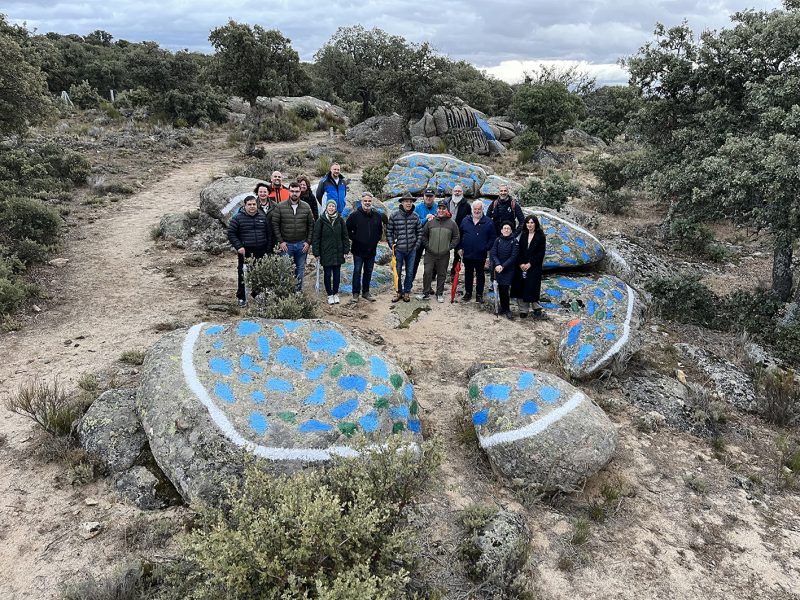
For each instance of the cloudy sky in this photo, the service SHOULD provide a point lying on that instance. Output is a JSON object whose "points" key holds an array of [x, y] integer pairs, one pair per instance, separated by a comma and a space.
{"points": [[505, 38]]}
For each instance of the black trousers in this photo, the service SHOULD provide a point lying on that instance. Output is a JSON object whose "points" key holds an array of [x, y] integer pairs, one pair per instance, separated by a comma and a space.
{"points": [[257, 253], [473, 269], [505, 298], [417, 259]]}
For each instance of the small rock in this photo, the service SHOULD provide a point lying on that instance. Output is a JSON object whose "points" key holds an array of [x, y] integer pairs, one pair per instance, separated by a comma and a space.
{"points": [[681, 376], [91, 501], [36, 309], [90, 529], [58, 262]]}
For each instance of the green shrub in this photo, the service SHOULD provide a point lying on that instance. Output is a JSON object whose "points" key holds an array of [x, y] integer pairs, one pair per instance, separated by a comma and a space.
{"points": [[610, 171], [551, 192], [786, 341], [136, 98], [272, 280], [527, 142], [31, 252], [83, 95], [12, 294], [259, 168], [338, 532], [48, 405], [324, 163], [306, 111], [189, 107], [131, 582], [132, 357], [278, 128], [374, 177], [614, 203], [43, 169], [778, 396], [22, 218], [751, 311], [683, 299], [690, 236]]}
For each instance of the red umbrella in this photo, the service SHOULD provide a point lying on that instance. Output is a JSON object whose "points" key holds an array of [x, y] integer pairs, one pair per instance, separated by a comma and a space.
{"points": [[454, 287]]}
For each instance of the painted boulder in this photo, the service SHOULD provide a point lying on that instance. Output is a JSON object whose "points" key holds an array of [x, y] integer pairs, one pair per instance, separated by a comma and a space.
{"points": [[538, 430], [381, 277], [491, 186], [222, 197], [414, 172], [568, 244], [603, 313], [293, 392]]}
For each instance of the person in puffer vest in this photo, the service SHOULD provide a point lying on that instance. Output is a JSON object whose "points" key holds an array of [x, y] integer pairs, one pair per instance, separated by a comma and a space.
{"points": [[440, 235], [249, 232]]}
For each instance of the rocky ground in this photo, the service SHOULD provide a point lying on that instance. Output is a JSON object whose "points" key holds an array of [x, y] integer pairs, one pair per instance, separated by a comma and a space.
{"points": [[682, 511]]}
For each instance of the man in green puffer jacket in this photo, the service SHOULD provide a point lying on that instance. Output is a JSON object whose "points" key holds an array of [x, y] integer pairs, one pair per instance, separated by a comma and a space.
{"points": [[439, 236]]}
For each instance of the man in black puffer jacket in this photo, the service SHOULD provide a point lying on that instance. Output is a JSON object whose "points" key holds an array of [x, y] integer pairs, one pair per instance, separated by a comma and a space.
{"points": [[404, 236], [365, 228], [250, 233]]}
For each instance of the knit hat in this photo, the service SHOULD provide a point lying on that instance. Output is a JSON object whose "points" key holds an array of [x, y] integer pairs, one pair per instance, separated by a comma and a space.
{"points": [[331, 201]]}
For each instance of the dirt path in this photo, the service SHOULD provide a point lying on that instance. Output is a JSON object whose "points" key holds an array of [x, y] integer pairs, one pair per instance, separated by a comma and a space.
{"points": [[110, 300]]}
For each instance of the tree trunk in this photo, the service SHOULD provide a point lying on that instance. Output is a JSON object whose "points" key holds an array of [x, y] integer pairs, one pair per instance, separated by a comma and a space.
{"points": [[782, 267]]}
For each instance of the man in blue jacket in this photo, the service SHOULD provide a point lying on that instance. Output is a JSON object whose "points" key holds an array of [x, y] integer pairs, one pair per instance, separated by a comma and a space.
{"points": [[477, 237], [335, 186], [426, 212]]}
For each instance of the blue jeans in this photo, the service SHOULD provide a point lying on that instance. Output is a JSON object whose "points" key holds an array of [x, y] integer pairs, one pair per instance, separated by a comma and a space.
{"points": [[405, 259], [295, 252], [359, 283]]}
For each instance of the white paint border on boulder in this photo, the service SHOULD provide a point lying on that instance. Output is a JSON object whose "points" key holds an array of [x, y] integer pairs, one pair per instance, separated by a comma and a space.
{"points": [[233, 202], [626, 332], [506, 437]]}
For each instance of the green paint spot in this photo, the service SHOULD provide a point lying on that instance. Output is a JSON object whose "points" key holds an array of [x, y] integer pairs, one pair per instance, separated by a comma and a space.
{"points": [[287, 416], [414, 408], [354, 359], [336, 370], [382, 403], [600, 315], [398, 427], [473, 392], [348, 428], [396, 380], [574, 306]]}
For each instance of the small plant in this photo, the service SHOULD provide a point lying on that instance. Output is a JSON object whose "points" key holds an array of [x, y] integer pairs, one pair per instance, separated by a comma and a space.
{"points": [[306, 111], [47, 404], [787, 464], [132, 357], [324, 163], [695, 482], [84, 95], [689, 236], [272, 280], [132, 582], [684, 299], [551, 192], [374, 177], [778, 396], [614, 203], [475, 516], [278, 128], [580, 532]]}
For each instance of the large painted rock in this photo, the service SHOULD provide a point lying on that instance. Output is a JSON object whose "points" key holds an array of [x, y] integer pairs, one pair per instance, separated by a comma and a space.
{"points": [[381, 277], [222, 197], [491, 186], [538, 430], [293, 392], [414, 172], [568, 244], [459, 128], [604, 312]]}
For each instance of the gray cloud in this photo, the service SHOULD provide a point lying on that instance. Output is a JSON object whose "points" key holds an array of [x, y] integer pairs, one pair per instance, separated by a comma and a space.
{"points": [[485, 34]]}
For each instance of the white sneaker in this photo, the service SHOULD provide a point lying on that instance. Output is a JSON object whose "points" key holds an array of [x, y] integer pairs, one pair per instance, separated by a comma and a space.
{"points": [[440, 299], [331, 300], [336, 298]]}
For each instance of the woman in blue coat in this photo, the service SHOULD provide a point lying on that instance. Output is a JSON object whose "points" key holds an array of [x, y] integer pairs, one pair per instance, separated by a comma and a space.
{"points": [[503, 262]]}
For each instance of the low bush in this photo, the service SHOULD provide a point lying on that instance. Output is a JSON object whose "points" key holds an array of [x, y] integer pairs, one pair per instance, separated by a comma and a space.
{"points": [[778, 396], [551, 192], [42, 170], [48, 405], [190, 107], [684, 299], [136, 581], [374, 177], [527, 143], [272, 281], [338, 532], [259, 168], [692, 237], [132, 357], [22, 218], [306, 111], [83, 95], [278, 128], [614, 203]]}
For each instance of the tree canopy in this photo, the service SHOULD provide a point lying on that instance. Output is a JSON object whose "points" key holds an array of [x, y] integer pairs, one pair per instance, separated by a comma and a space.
{"points": [[548, 108]]}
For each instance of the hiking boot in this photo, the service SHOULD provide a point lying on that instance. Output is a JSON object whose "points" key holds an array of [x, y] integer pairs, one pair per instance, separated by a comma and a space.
{"points": [[355, 299], [440, 299], [406, 297], [536, 306], [423, 296], [330, 299], [369, 297], [479, 299], [509, 315], [397, 297], [242, 302], [466, 297]]}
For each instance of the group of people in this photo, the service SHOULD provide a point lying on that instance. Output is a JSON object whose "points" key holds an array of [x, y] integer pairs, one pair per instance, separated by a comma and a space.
{"points": [[289, 218]]}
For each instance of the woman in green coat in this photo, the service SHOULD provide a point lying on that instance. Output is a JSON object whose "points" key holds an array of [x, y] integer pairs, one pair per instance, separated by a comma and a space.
{"points": [[330, 243]]}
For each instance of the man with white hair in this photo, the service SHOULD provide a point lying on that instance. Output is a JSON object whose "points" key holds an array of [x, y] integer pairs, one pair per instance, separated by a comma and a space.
{"points": [[477, 237], [459, 207], [365, 228]]}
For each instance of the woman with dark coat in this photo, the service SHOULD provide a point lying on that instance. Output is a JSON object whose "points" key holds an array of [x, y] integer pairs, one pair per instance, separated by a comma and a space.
{"points": [[308, 196], [330, 243], [503, 262], [527, 284]]}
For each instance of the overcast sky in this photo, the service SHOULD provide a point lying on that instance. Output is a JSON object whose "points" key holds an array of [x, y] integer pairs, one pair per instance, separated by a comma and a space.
{"points": [[504, 38]]}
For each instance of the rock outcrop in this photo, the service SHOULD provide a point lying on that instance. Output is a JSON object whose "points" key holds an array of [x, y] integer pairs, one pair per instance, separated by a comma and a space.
{"points": [[378, 131]]}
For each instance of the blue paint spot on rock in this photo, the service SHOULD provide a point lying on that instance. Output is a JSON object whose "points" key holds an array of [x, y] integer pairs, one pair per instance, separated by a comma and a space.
{"points": [[344, 409], [292, 326], [565, 249], [591, 307], [330, 341], [378, 367], [248, 328], [218, 345], [215, 329], [317, 396], [280, 332], [263, 347], [610, 327], [599, 294], [529, 408], [353, 382], [549, 394], [276, 384], [316, 372], [245, 378], [399, 412], [224, 392], [480, 417], [610, 336], [574, 334], [414, 425], [553, 292], [258, 397], [290, 357], [408, 392], [221, 366], [381, 390], [246, 363], [369, 422], [497, 392], [526, 380], [312, 426], [617, 294], [586, 257], [258, 423], [580, 242], [584, 352]]}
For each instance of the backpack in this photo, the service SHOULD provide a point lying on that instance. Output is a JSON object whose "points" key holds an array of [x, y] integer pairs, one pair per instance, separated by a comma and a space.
{"points": [[496, 200]]}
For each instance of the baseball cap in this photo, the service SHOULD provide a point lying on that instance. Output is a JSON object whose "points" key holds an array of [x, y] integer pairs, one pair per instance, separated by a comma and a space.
{"points": [[442, 204], [430, 192]]}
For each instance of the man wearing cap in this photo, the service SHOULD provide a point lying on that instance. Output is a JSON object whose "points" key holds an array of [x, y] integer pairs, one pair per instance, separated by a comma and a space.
{"points": [[404, 236], [439, 236], [365, 228], [426, 211], [459, 208], [249, 232], [292, 225]]}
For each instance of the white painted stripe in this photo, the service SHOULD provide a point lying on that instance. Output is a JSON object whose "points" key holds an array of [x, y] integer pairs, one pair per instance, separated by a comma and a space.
{"points": [[536, 427], [570, 224], [626, 332], [219, 418], [232, 204]]}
